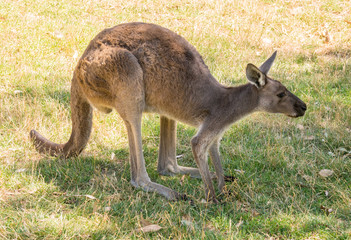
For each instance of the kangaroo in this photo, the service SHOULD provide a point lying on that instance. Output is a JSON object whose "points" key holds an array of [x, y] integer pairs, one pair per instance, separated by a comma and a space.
{"points": [[139, 67]]}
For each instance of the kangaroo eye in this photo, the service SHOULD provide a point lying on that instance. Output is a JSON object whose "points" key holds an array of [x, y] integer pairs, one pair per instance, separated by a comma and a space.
{"points": [[280, 95]]}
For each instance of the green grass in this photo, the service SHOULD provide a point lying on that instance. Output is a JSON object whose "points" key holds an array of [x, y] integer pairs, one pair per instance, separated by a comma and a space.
{"points": [[278, 193]]}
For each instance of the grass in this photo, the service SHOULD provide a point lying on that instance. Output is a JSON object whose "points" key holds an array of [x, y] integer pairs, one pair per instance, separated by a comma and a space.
{"points": [[278, 193]]}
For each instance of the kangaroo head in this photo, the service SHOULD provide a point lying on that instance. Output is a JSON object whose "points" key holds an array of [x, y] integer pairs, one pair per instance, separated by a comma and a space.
{"points": [[273, 96]]}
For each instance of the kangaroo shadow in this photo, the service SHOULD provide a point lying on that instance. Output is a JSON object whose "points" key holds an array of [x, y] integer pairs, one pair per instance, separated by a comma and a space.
{"points": [[85, 173]]}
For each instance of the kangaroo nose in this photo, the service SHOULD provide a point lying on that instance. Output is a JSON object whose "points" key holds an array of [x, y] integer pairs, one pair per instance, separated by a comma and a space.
{"points": [[304, 107]]}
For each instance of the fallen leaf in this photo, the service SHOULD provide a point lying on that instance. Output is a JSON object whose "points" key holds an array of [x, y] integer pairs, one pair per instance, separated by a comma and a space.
{"points": [[187, 221], [324, 33], [182, 180], [87, 195], [307, 178], [144, 222], [90, 196], [239, 171], [239, 223], [107, 209], [32, 191], [149, 228], [113, 156], [309, 138], [341, 149], [254, 213], [300, 127], [31, 17], [267, 41], [331, 154], [296, 11], [58, 35], [21, 170], [75, 55], [326, 173], [209, 226]]}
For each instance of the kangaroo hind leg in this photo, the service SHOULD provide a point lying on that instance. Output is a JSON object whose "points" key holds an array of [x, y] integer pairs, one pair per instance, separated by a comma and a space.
{"points": [[139, 176], [129, 103], [167, 161]]}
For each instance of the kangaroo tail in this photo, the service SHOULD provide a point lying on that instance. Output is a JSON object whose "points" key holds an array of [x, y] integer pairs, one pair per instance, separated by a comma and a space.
{"points": [[82, 115]]}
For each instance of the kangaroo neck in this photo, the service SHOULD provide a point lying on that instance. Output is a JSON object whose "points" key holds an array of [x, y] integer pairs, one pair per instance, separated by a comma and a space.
{"points": [[240, 101]]}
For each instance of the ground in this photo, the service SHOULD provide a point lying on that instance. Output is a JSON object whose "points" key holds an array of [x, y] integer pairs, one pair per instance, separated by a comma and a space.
{"points": [[280, 191]]}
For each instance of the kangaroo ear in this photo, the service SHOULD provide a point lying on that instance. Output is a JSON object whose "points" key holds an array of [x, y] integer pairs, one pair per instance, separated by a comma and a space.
{"points": [[255, 76], [268, 63]]}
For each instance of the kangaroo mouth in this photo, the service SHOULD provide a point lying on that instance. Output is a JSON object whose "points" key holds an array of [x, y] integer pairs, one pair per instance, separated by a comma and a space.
{"points": [[299, 110], [296, 114]]}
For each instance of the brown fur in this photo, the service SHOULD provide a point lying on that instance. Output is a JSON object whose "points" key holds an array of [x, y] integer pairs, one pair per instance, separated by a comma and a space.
{"points": [[138, 67]]}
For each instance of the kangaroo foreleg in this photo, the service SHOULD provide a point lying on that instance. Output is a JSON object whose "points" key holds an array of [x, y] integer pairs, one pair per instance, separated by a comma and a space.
{"points": [[216, 161], [201, 143]]}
